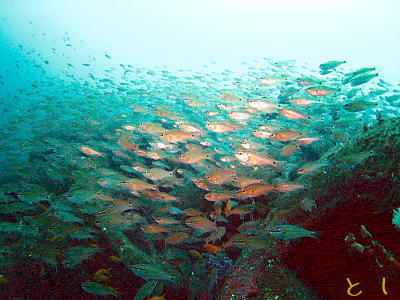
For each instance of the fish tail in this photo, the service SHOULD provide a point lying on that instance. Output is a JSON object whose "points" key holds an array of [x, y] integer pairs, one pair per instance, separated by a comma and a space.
{"points": [[317, 235]]}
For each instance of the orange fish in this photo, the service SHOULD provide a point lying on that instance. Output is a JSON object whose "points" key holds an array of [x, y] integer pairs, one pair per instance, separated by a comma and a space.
{"points": [[254, 190], [217, 209], [308, 168], [263, 105], [239, 115], [320, 91], [156, 195], [152, 128], [121, 154], [262, 134], [135, 184], [244, 181], [129, 127], [191, 157], [285, 187], [166, 221], [240, 211], [220, 176], [201, 184], [154, 229], [127, 144], [211, 248], [228, 96], [252, 158], [228, 207], [302, 101], [195, 253], [285, 135], [217, 197], [307, 140], [176, 237], [91, 152], [115, 258], [290, 148], [175, 136], [293, 114], [189, 128], [191, 212], [222, 126], [201, 224]]}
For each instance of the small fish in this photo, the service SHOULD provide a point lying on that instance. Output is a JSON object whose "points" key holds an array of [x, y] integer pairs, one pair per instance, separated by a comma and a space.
{"points": [[220, 176], [309, 168], [228, 207], [98, 289], [201, 224], [285, 135], [291, 232], [359, 105], [192, 212], [263, 105], [287, 187], [91, 152], [302, 101], [331, 64], [260, 134], [362, 78], [321, 91], [211, 248], [151, 272], [66, 216], [217, 197], [216, 235], [252, 158], [166, 221], [154, 229], [238, 115], [290, 148], [293, 114], [254, 190], [174, 136], [195, 253], [115, 258], [177, 238], [75, 255]]}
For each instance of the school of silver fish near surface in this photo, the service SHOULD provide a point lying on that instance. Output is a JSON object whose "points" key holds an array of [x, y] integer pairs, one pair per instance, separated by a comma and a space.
{"points": [[171, 159]]}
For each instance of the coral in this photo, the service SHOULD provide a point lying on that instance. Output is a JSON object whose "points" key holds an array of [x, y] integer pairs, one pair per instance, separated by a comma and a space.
{"points": [[384, 259]]}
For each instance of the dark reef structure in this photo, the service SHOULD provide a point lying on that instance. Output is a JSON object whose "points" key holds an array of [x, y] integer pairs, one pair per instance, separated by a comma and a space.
{"points": [[359, 186]]}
